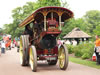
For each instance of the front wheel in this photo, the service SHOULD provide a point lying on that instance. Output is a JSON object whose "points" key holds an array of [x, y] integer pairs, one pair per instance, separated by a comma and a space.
{"points": [[63, 57], [33, 58]]}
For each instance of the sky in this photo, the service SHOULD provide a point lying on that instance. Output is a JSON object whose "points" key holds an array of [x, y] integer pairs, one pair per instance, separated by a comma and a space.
{"points": [[79, 7]]}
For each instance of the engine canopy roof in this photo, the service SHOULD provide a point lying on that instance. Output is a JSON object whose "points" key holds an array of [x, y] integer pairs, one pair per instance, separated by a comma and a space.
{"points": [[39, 14]]}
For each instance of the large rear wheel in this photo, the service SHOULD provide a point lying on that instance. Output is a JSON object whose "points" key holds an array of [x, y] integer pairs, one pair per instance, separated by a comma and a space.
{"points": [[22, 51], [26, 41], [33, 58], [63, 57]]}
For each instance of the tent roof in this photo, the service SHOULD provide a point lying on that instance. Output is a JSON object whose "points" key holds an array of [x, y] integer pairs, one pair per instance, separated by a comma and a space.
{"points": [[77, 33]]}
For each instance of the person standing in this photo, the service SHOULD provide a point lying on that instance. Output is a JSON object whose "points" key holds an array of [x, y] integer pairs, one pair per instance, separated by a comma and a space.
{"points": [[3, 47], [59, 42], [97, 49]]}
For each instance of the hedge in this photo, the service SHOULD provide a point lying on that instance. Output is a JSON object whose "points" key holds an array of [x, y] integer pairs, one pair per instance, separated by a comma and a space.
{"points": [[83, 50]]}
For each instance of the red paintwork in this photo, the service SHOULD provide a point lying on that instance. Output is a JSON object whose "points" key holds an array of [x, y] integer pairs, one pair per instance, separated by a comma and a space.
{"points": [[40, 9], [29, 18], [41, 53], [53, 32], [45, 52], [56, 50]]}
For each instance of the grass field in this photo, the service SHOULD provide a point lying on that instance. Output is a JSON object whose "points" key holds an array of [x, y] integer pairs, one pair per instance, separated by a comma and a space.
{"points": [[84, 62]]}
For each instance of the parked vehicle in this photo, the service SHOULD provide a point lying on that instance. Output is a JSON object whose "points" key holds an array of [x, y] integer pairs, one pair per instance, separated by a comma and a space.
{"points": [[39, 39]]}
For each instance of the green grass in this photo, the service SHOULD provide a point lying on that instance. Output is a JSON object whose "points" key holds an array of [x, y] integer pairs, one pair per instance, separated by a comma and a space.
{"points": [[84, 62]]}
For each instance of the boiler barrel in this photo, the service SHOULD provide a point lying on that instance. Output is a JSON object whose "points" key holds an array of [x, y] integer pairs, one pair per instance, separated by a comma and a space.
{"points": [[47, 42]]}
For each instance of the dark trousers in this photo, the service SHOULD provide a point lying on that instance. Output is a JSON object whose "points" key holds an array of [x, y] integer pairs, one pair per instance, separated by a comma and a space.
{"points": [[97, 55], [2, 50], [98, 58]]}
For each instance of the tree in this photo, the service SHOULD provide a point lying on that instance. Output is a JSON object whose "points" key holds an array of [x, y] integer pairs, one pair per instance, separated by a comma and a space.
{"points": [[92, 20], [43, 3], [1, 31], [64, 4], [97, 30], [18, 15]]}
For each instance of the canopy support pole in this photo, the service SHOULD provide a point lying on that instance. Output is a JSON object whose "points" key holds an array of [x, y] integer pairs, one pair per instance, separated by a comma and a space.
{"points": [[51, 15], [60, 22], [44, 23]]}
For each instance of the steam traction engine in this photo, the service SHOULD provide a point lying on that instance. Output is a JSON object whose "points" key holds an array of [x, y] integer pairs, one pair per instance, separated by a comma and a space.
{"points": [[39, 41]]}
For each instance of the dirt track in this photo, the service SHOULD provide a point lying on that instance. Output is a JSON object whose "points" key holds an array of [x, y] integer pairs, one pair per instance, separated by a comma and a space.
{"points": [[10, 65]]}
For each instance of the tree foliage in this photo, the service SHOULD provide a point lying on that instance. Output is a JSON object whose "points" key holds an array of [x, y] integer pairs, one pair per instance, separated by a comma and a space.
{"points": [[92, 19], [49, 3], [97, 30]]}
